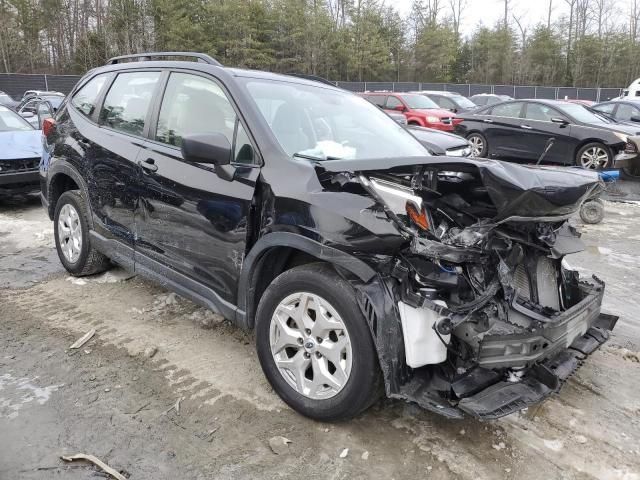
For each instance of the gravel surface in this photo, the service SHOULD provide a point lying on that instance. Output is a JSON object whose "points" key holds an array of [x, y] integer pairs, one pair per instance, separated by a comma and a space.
{"points": [[117, 396]]}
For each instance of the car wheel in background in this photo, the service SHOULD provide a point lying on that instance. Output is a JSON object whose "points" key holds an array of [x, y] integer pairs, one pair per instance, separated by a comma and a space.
{"points": [[71, 231], [594, 156], [592, 211], [314, 344], [479, 146]]}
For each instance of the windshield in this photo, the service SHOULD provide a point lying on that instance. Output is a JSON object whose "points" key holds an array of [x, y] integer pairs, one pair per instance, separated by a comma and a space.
{"points": [[584, 114], [327, 124], [419, 101], [10, 121], [464, 102]]}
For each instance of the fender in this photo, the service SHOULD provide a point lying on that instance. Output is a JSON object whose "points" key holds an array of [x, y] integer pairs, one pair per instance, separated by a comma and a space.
{"points": [[246, 287], [64, 167]]}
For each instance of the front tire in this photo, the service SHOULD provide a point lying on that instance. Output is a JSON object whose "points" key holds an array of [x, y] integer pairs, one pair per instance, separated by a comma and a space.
{"points": [[479, 145], [314, 345], [71, 232], [594, 156]]}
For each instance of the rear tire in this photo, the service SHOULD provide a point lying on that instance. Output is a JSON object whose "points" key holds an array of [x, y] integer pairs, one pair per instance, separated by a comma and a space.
{"points": [[319, 359], [592, 211], [479, 145], [71, 231]]}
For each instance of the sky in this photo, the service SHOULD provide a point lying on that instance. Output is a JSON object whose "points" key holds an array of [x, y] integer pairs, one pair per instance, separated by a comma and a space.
{"points": [[489, 12]]}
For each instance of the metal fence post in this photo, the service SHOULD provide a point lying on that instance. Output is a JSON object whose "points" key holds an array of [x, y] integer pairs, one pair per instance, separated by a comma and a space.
{"points": [[46, 83]]}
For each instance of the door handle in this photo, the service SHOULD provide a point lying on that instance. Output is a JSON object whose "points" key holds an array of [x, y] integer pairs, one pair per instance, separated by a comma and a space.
{"points": [[526, 127], [149, 164]]}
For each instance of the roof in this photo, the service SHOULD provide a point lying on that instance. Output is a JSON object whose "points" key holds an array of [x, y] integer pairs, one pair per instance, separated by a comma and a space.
{"points": [[441, 92]]}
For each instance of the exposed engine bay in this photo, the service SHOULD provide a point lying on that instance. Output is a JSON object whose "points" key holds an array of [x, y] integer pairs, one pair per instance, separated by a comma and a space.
{"points": [[493, 318]]}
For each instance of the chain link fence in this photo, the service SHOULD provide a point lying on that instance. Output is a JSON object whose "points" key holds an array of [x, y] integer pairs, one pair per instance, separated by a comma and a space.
{"points": [[15, 84]]}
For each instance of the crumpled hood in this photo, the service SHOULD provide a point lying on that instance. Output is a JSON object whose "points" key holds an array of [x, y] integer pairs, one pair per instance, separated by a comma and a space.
{"points": [[516, 190], [20, 144]]}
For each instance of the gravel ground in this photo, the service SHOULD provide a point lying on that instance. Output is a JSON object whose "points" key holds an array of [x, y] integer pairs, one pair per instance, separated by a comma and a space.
{"points": [[116, 397]]}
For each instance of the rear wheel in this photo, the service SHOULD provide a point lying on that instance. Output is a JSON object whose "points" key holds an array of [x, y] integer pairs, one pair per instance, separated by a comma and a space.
{"points": [[71, 231], [594, 156], [592, 211], [479, 146], [314, 345]]}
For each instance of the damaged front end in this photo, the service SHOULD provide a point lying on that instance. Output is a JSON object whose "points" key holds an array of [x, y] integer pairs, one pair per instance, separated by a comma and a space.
{"points": [[477, 312]]}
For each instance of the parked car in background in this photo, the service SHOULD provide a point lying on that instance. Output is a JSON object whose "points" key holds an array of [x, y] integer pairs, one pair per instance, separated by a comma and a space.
{"points": [[441, 143], [302, 211], [35, 93], [519, 130], [418, 109], [586, 103], [450, 101], [30, 103], [484, 99], [36, 109], [627, 110], [20, 152], [397, 117], [6, 100]]}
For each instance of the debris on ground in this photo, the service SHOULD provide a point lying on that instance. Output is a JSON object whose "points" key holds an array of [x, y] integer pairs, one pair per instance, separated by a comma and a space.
{"points": [[96, 461], [150, 352], [77, 281], [84, 339], [344, 453], [175, 406], [279, 445], [365, 455], [499, 446]]}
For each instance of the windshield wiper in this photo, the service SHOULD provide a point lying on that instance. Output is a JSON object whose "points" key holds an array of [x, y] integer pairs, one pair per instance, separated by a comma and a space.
{"points": [[315, 159]]}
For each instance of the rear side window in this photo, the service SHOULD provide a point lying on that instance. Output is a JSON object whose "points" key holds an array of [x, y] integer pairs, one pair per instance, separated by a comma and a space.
{"points": [[511, 110], [192, 105], [606, 108], [126, 105], [445, 103], [377, 100], [480, 101], [626, 112], [85, 99]]}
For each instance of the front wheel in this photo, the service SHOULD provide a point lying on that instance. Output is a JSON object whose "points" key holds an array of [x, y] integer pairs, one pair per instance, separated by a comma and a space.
{"points": [[479, 146], [594, 156], [314, 345]]}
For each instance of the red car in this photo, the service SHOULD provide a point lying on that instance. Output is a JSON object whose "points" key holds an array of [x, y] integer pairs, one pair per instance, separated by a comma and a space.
{"points": [[418, 109]]}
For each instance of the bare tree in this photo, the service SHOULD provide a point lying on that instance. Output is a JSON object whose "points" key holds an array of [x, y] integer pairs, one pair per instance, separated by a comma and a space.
{"points": [[457, 6]]}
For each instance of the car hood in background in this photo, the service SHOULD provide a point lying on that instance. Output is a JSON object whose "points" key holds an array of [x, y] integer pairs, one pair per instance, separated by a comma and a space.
{"points": [[20, 144], [436, 141], [436, 112]]}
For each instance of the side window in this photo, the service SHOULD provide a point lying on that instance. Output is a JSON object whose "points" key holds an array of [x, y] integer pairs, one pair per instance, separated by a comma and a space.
{"points": [[243, 151], [126, 105], [30, 106], [85, 99], [544, 113], [625, 112], [480, 101], [193, 104], [377, 100], [393, 102], [445, 103], [606, 108], [511, 110]]}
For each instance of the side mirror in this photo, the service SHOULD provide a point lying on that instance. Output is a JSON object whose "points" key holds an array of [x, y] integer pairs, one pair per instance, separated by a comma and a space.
{"points": [[399, 108], [27, 115], [210, 148], [560, 121]]}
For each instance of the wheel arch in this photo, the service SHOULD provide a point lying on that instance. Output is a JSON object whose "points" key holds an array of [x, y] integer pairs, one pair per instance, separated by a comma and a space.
{"points": [[587, 141], [64, 177], [280, 251]]}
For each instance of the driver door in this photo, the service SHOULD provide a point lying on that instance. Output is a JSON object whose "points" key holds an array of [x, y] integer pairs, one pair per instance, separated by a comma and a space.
{"points": [[190, 217]]}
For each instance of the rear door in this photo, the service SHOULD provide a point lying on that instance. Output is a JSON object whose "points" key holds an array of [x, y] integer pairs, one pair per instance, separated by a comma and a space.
{"points": [[538, 130], [502, 130], [189, 219], [114, 149]]}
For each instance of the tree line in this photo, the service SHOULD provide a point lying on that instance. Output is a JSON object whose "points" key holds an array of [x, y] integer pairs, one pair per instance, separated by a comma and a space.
{"points": [[583, 43]]}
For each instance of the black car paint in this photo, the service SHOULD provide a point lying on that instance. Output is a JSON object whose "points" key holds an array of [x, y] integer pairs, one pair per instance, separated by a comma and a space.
{"points": [[221, 240], [522, 139], [436, 141]]}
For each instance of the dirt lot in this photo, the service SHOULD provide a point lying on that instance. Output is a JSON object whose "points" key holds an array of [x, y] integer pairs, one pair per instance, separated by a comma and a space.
{"points": [[113, 397]]}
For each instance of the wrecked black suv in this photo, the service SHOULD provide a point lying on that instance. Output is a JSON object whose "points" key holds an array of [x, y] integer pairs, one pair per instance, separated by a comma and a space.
{"points": [[301, 211]]}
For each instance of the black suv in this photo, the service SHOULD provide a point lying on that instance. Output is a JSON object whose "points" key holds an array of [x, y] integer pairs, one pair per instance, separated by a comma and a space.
{"points": [[303, 211]]}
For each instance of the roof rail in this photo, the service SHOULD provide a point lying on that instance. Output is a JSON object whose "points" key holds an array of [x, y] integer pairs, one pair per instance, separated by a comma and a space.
{"points": [[201, 57], [313, 78]]}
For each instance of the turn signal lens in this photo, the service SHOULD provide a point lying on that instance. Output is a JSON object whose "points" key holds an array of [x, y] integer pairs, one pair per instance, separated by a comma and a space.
{"points": [[47, 126], [417, 217]]}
